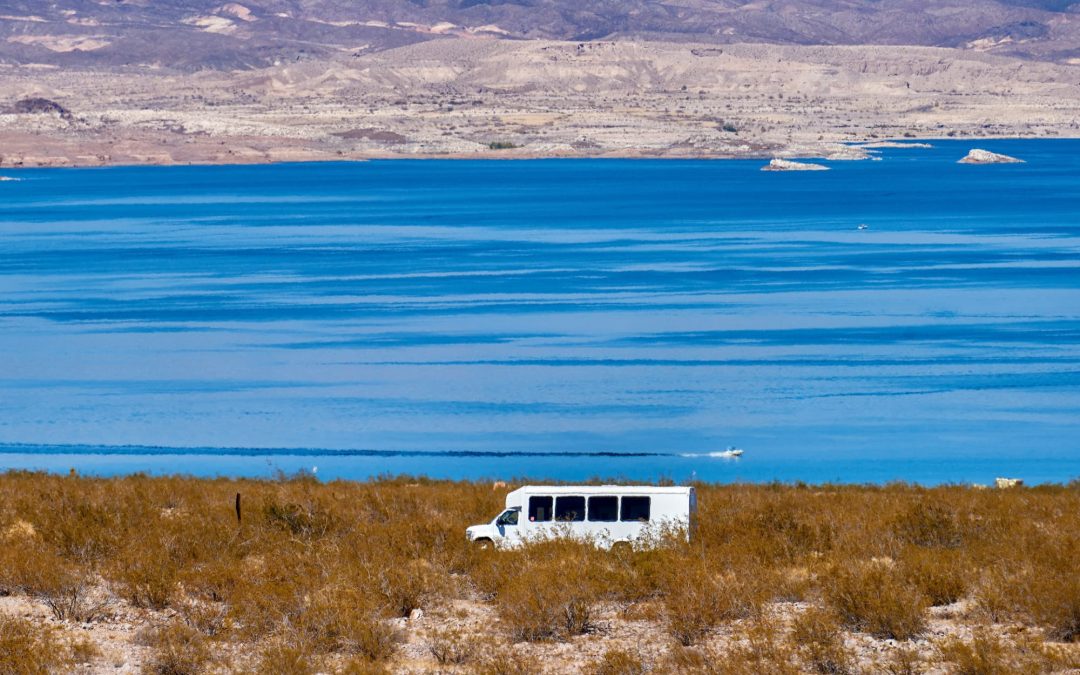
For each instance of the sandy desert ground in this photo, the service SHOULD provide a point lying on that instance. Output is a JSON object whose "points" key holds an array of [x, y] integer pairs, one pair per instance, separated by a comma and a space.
{"points": [[459, 638], [496, 98], [164, 576]]}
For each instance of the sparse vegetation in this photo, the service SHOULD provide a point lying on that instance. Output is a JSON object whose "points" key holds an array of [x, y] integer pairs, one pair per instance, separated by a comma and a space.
{"points": [[821, 643], [989, 654], [452, 646], [176, 650], [872, 597], [29, 649], [324, 576], [620, 662]]}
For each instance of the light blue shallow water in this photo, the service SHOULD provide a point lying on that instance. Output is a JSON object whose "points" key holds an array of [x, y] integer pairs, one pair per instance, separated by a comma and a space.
{"points": [[662, 308]]}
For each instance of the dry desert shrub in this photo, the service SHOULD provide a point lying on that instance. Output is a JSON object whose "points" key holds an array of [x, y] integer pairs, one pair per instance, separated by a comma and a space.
{"points": [[757, 648], [209, 618], [697, 599], [998, 592], [819, 643], [453, 646], [277, 658], [548, 600], [689, 660], [943, 576], [929, 525], [148, 574], [761, 648], [872, 598], [1052, 596], [344, 621], [505, 661], [794, 583], [408, 585], [989, 654], [176, 649], [63, 586], [901, 661], [1038, 585], [620, 662], [783, 530], [308, 520], [83, 650], [360, 666], [30, 649], [69, 594]]}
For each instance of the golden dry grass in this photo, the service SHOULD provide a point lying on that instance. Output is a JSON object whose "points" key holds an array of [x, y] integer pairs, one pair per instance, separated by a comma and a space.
{"points": [[313, 575]]}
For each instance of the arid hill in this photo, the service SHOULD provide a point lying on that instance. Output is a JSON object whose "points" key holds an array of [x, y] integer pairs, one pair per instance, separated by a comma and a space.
{"points": [[217, 34], [534, 98]]}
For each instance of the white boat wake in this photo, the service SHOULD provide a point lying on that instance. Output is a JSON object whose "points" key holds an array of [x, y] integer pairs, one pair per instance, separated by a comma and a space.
{"points": [[730, 453]]}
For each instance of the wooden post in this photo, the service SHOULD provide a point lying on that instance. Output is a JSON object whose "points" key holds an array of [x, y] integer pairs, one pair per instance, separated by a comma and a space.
{"points": [[238, 508]]}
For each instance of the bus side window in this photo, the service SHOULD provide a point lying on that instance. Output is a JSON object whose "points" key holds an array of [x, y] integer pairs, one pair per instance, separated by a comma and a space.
{"points": [[603, 509], [635, 509], [539, 509], [570, 509]]}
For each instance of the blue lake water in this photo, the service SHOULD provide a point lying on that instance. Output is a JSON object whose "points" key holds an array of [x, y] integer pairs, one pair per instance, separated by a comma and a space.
{"points": [[554, 318]]}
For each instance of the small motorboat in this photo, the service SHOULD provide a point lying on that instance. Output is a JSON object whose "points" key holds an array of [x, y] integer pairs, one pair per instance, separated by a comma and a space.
{"points": [[864, 226]]}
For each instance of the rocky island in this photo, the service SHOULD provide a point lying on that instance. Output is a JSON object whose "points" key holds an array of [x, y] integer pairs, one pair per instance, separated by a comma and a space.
{"points": [[977, 156], [788, 165]]}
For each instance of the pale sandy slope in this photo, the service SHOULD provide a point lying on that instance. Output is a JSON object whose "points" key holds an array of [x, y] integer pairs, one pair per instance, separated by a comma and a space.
{"points": [[455, 97]]}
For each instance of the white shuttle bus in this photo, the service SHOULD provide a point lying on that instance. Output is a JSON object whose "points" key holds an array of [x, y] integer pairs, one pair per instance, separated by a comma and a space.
{"points": [[604, 514]]}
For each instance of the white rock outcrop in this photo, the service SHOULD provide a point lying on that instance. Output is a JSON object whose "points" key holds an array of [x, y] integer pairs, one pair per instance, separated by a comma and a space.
{"points": [[788, 165], [977, 156]]}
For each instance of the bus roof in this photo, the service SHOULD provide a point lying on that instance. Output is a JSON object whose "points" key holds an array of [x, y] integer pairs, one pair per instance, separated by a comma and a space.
{"points": [[603, 490]]}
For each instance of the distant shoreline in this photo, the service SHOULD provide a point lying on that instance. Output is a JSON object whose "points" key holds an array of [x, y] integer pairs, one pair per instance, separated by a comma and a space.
{"points": [[480, 465], [511, 155]]}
